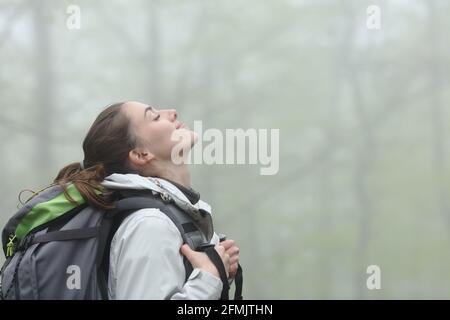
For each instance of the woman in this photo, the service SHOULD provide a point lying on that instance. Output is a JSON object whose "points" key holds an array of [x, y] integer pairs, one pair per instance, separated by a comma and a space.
{"points": [[129, 146]]}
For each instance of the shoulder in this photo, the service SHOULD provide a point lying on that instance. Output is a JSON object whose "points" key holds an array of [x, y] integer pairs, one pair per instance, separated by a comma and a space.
{"points": [[147, 224], [146, 240]]}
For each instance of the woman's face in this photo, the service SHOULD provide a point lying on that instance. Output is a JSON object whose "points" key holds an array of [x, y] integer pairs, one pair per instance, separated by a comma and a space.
{"points": [[158, 130]]}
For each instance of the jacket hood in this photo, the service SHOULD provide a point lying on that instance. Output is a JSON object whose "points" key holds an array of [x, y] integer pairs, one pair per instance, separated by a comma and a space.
{"points": [[200, 211]]}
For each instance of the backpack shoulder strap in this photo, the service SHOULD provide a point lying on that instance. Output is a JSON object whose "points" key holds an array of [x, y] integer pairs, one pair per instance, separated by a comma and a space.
{"points": [[184, 223]]}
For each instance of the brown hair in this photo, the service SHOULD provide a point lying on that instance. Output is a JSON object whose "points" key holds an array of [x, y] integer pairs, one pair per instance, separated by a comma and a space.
{"points": [[106, 147]]}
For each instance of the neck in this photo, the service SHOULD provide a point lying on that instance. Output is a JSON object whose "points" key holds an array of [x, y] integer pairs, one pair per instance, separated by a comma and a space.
{"points": [[177, 173]]}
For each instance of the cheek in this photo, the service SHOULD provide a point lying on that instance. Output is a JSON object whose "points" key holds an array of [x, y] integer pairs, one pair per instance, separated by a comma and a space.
{"points": [[162, 134], [158, 138]]}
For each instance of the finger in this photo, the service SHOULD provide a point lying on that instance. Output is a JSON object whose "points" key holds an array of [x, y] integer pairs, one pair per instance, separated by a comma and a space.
{"points": [[234, 259], [220, 249], [233, 269], [233, 251], [227, 244]]}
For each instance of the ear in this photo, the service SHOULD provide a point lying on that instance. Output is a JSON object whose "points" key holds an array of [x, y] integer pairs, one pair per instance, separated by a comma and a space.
{"points": [[139, 157]]}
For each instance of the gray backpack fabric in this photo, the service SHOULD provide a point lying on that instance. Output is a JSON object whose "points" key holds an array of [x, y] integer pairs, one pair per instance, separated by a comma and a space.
{"points": [[58, 250]]}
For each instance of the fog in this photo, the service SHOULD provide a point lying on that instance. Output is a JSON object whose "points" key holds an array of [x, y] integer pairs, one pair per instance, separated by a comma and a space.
{"points": [[360, 96]]}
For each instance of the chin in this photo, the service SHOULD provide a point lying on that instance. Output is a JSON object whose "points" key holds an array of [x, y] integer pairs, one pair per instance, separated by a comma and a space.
{"points": [[194, 138], [189, 139], [190, 136]]}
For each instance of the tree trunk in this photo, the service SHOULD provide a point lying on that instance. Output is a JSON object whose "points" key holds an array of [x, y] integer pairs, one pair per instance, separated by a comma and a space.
{"points": [[155, 78], [438, 116], [44, 102], [364, 158]]}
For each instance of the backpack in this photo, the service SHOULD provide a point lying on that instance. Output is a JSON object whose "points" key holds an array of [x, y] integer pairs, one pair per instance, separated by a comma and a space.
{"points": [[56, 249]]}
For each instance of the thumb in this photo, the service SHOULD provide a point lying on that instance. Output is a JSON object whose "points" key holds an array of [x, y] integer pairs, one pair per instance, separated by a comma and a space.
{"points": [[187, 251]]}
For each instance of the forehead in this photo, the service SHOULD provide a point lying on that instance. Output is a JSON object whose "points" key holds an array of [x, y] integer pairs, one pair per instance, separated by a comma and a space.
{"points": [[135, 110]]}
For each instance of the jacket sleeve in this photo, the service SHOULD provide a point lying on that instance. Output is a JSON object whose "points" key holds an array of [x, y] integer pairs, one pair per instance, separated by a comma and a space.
{"points": [[146, 263]]}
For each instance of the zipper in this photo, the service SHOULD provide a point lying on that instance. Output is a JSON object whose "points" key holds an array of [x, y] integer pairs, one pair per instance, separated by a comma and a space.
{"points": [[10, 245]]}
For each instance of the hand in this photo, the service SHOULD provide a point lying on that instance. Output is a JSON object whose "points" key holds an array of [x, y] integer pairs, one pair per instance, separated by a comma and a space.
{"points": [[233, 251], [201, 260]]}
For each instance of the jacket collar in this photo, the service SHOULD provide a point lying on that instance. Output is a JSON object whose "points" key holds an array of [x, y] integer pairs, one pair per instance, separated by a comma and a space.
{"points": [[192, 195], [135, 181]]}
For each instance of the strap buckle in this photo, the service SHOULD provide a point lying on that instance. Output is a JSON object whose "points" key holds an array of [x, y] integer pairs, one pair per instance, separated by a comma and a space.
{"points": [[202, 247]]}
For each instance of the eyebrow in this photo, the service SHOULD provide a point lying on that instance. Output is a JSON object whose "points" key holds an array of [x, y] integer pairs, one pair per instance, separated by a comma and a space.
{"points": [[147, 109]]}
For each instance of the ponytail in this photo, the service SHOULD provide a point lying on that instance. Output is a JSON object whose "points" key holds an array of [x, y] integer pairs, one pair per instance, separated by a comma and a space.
{"points": [[106, 148], [88, 183]]}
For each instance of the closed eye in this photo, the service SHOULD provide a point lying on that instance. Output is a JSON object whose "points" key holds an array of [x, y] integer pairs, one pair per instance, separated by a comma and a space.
{"points": [[157, 117]]}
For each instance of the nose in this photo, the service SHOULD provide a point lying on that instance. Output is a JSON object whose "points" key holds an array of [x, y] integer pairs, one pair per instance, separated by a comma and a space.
{"points": [[173, 115], [169, 114]]}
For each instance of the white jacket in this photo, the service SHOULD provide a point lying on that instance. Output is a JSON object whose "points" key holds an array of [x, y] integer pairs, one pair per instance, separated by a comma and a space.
{"points": [[145, 258]]}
